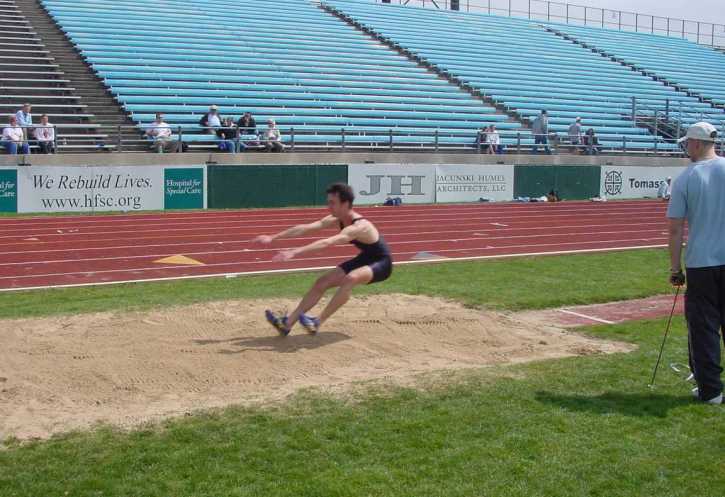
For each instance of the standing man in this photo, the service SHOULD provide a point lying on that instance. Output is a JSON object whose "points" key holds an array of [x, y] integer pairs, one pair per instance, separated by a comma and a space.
{"points": [[540, 129], [25, 119], [374, 263], [698, 198]]}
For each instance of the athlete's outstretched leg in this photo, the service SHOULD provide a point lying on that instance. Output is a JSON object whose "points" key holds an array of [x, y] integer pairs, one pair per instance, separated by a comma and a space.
{"points": [[359, 276], [328, 280]]}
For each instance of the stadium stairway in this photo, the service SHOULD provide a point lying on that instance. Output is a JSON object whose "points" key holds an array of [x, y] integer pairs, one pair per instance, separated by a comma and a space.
{"points": [[104, 113]]}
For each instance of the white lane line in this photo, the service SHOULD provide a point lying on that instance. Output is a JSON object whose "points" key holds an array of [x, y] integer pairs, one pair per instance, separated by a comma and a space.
{"points": [[254, 224], [477, 237], [591, 318], [336, 258], [320, 268]]}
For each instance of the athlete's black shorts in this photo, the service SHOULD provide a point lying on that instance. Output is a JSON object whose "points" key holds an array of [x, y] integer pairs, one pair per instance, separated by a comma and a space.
{"points": [[382, 267]]}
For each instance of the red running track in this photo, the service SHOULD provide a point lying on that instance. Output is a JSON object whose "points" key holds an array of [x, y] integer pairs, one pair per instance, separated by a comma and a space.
{"points": [[37, 252]]}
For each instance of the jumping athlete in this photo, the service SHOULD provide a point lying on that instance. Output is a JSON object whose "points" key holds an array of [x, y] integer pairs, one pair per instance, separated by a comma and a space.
{"points": [[372, 264]]}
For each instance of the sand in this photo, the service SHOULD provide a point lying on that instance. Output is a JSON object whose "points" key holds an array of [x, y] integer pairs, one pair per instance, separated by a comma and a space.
{"points": [[127, 368]]}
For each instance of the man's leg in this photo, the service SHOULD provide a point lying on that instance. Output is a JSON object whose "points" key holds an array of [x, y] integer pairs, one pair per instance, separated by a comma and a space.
{"points": [[11, 147], [704, 319], [328, 280], [360, 276]]}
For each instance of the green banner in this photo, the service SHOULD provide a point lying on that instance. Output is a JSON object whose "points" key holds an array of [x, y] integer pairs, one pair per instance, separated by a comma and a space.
{"points": [[233, 187], [183, 188], [8, 190]]}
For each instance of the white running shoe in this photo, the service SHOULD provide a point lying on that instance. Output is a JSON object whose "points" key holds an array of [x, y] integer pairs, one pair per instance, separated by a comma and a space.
{"points": [[714, 401]]}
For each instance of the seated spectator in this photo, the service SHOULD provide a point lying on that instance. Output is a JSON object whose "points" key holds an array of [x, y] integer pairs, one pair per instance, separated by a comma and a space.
{"points": [[211, 120], [160, 134], [13, 138], [25, 119], [482, 138], [247, 125], [575, 132], [493, 141], [591, 142], [45, 136], [272, 138], [665, 190], [553, 196], [227, 133]]}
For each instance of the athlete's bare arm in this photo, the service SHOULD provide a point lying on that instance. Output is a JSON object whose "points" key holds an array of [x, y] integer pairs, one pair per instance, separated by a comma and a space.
{"points": [[345, 236], [300, 229]]}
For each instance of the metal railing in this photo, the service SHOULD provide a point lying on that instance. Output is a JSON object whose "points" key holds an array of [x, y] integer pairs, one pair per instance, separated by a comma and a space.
{"points": [[324, 139], [704, 33]]}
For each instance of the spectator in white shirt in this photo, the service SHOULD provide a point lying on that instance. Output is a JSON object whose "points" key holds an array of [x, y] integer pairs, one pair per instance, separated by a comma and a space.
{"points": [[45, 136], [160, 134], [13, 137], [273, 138], [493, 141], [211, 120], [575, 132], [665, 190]]}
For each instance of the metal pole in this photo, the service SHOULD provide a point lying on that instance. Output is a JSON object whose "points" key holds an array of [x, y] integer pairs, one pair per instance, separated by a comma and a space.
{"points": [[713, 35], [342, 135], [602, 18], [529, 9], [667, 110], [624, 143], [179, 147], [391, 139], [634, 112], [620, 19], [668, 26], [679, 121], [657, 120], [548, 14], [119, 140], [436, 140], [509, 8], [683, 28], [698, 31], [567, 13], [518, 142], [636, 22], [489, 7], [292, 138], [652, 25], [585, 16]]}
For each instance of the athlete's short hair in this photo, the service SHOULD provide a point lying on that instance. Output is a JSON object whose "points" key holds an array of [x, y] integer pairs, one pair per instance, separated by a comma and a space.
{"points": [[343, 191]]}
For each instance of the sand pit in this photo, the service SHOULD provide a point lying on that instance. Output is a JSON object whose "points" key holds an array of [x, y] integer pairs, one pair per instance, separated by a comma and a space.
{"points": [[64, 373]]}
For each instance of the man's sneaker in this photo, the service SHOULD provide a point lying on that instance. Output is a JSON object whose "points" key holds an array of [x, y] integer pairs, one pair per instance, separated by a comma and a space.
{"points": [[279, 322], [715, 400], [312, 325]]}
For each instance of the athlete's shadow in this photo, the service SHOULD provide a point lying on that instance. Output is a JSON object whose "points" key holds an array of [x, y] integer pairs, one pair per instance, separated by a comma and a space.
{"points": [[274, 343], [629, 404]]}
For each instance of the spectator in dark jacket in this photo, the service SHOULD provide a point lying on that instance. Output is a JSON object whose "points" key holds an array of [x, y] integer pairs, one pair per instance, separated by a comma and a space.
{"points": [[227, 133], [247, 124], [591, 142]]}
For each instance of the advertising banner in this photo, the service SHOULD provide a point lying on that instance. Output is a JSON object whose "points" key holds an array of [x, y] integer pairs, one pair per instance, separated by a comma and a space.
{"points": [[109, 188], [473, 182], [635, 181], [373, 183], [8, 190]]}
